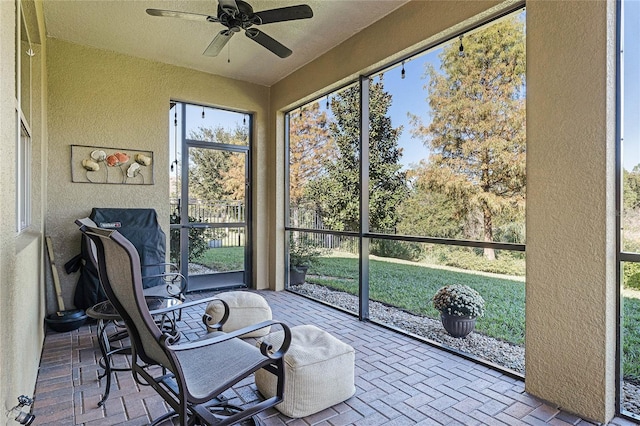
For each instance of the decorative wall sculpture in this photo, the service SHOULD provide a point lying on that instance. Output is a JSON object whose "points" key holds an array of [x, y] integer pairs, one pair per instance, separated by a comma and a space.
{"points": [[92, 164]]}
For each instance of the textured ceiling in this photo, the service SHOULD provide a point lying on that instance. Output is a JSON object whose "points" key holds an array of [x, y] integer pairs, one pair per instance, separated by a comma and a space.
{"points": [[123, 26]]}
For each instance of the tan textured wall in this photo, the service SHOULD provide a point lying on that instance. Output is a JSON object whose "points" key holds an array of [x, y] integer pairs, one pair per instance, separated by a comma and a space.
{"points": [[21, 266], [100, 98], [570, 312], [7, 143], [411, 27]]}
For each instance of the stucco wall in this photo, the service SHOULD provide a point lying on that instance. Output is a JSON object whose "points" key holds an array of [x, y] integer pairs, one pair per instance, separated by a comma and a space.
{"points": [[570, 312], [21, 263], [7, 138], [100, 98]]}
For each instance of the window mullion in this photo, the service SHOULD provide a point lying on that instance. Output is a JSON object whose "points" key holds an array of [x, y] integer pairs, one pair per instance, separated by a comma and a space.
{"points": [[364, 199]]}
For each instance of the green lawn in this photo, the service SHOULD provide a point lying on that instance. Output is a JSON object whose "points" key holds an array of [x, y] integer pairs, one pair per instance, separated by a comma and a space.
{"points": [[411, 288], [631, 340], [223, 259]]}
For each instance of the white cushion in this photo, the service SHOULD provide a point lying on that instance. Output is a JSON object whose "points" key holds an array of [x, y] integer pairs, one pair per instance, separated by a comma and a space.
{"points": [[319, 372], [245, 308]]}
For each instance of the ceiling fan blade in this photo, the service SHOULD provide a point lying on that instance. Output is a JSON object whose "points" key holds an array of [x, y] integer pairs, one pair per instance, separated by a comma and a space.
{"points": [[218, 42], [229, 6], [268, 42], [290, 13], [182, 15]]}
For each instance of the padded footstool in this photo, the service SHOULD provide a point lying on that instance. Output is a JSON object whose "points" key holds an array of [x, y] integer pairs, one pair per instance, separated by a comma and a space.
{"points": [[319, 372], [245, 308]]}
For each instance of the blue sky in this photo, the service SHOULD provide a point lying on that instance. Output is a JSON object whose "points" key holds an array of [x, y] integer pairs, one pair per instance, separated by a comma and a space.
{"points": [[631, 85], [213, 117], [409, 95]]}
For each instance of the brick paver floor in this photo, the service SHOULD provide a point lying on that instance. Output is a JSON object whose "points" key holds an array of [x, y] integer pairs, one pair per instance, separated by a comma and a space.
{"points": [[399, 381]]}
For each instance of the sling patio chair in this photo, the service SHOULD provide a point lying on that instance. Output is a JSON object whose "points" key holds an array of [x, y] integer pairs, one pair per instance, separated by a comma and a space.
{"points": [[192, 375]]}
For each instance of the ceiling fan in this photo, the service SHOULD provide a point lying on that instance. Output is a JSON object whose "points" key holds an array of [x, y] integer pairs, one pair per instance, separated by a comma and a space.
{"points": [[238, 15]]}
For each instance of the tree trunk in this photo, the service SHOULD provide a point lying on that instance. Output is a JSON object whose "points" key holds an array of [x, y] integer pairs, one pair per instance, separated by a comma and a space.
{"points": [[489, 253]]}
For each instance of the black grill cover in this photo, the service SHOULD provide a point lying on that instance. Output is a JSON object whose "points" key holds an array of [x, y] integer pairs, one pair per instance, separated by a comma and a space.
{"points": [[141, 227]]}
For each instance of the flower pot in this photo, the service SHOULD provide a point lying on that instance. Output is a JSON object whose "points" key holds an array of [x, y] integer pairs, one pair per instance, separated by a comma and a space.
{"points": [[297, 274], [457, 326]]}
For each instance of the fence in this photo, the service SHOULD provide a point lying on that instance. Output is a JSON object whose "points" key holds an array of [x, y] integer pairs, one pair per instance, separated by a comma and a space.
{"points": [[308, 217], [215, 212], [225, 211], [221, 211]]}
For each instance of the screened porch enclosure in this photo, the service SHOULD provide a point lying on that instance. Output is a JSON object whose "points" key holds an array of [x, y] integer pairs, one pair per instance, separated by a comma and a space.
{"points": [[413, 178]]}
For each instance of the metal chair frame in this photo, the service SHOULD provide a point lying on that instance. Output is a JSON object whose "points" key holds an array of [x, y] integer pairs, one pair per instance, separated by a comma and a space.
{"points": [[159, 362]]}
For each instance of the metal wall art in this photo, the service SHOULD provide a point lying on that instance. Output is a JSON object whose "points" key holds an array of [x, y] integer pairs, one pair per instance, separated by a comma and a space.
{"points": [[92, 164]]}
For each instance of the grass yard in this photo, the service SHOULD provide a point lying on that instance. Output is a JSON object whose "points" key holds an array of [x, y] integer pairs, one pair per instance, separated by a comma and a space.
{"points": [[411, 287], [631, 340], [223, 259]]}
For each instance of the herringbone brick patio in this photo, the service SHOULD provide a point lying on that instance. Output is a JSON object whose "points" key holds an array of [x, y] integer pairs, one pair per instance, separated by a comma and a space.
{"points": [[399, 381]]}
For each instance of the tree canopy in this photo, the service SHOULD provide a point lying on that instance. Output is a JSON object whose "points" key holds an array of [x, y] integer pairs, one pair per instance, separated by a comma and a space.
{"points": [[337, 192], [476, 135], [310, 147], [214, 174]]}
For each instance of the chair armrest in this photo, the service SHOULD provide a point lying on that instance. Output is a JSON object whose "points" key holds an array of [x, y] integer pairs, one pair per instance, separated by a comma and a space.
{"points": [[170, 278], [206, 318], [265, 349]]}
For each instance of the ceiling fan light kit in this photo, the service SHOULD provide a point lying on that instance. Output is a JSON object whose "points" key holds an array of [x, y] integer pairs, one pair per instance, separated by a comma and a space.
{"points": [[238, 15]]}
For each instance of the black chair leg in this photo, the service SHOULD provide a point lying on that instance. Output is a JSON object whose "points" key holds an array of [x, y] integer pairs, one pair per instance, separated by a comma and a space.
{"points": [[164, 418]]}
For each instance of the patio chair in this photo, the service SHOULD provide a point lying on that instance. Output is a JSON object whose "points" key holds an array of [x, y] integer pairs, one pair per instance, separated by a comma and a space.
{"points": [[193, 375]]}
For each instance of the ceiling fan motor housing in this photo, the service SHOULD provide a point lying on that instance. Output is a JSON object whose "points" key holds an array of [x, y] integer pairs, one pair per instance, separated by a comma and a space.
{"points": [[235, 20]]}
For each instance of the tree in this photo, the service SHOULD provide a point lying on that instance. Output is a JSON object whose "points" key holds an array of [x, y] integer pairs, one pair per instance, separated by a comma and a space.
{"points": [[477, 132], [234, 177], [213, 174], [429, 213], [310, 146], [336, 193], [631, 189]]}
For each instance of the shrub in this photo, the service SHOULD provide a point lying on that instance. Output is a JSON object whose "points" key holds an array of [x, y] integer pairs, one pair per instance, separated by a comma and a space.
{"points": [[302, 251], [631, 275], [507, 263], [396, 249], [197, 242], [459, 300]]}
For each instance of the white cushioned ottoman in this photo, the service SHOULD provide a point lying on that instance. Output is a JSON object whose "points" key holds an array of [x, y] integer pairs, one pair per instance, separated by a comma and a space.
{"points": [[245, 308], [319, 372]]}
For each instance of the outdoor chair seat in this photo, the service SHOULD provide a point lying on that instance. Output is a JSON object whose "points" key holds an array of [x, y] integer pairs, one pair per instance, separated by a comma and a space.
{"points": [[201, 366], [319, 372]]}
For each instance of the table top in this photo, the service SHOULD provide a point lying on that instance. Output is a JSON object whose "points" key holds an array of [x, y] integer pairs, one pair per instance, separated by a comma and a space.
{"points": [[106, 311]]}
